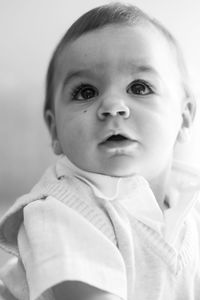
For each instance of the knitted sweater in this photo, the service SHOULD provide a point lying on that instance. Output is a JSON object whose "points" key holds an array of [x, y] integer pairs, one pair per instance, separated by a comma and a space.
{"points": [[107, 232]]}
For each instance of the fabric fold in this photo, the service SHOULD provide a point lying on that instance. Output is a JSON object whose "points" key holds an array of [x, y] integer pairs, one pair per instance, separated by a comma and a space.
{"points": [[57, 244]]}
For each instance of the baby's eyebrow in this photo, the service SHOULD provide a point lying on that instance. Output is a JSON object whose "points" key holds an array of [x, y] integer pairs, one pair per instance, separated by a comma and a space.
{"points": [[77, 73], [131, 67], [142, 68]]}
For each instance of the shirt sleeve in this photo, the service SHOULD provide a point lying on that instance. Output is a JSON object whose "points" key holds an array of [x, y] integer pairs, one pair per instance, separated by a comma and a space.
{"points": [[58, 244]]}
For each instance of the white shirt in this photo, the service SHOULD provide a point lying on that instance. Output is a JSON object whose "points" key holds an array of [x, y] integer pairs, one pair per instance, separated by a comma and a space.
{"points": [[76, 239]]}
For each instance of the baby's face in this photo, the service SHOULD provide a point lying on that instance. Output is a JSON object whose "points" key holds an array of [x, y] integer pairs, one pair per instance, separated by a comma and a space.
{"points": [[118, 101]]}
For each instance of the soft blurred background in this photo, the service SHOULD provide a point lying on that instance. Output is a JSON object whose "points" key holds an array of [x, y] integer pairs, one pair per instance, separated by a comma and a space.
{"points": [[29, 31]]}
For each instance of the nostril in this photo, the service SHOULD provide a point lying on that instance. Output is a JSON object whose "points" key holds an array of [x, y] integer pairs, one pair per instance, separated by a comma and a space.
{"points": [[106, 111], [106, 114], [122, 113], [115, 113]]}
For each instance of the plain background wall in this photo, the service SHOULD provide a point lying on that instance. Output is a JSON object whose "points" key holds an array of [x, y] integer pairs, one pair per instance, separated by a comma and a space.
{"points": [[29, 31]]}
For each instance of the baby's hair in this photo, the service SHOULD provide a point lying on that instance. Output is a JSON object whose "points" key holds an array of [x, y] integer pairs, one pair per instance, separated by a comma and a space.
{"points": [[114, 13]]}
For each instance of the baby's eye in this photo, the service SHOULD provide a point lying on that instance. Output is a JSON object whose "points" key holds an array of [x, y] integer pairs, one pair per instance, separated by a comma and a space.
{"points": [[84, 92], [139, 87]]}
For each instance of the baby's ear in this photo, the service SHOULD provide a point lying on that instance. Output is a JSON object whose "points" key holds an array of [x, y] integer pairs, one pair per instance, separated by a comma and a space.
{"points": [[188, 114], [51, 124]]}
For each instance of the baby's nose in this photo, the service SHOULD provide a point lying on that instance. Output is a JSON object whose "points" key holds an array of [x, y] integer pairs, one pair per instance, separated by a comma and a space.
{"points": [[113, 108]]}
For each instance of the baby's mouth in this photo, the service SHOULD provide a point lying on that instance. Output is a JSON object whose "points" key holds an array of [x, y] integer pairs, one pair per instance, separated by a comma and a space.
{"points": [[116, 141], [116, 138]]}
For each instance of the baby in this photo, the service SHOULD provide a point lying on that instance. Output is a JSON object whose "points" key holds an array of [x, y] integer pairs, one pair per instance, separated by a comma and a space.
{"points": [[116, 217]]}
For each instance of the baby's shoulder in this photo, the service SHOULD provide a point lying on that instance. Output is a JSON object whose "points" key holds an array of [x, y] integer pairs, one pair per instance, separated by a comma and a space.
{"points": [[13, 284]]}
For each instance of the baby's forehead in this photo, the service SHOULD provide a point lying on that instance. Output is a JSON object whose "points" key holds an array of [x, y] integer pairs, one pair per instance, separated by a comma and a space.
{"points": [[126, 48]]}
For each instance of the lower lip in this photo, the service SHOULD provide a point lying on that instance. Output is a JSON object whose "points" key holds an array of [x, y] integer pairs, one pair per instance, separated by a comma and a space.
{"points": [[121, 146]]}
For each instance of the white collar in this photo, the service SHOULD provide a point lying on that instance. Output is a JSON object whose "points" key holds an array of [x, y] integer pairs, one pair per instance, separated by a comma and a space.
{"points": [[119, 189], [106, 187], [135, 194]]}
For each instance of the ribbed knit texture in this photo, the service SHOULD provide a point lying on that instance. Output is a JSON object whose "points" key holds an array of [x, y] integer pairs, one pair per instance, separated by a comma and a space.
{"points": [[155, 269], [61, 190]]}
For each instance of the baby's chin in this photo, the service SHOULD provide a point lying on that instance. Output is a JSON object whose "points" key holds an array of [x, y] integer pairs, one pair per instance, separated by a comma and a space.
{"points": [[121, 172], [115, 167], [121, 169]]}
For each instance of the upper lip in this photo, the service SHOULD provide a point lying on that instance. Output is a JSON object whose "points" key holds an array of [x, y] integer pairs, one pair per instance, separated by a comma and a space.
{"points": [[116, 132]]}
